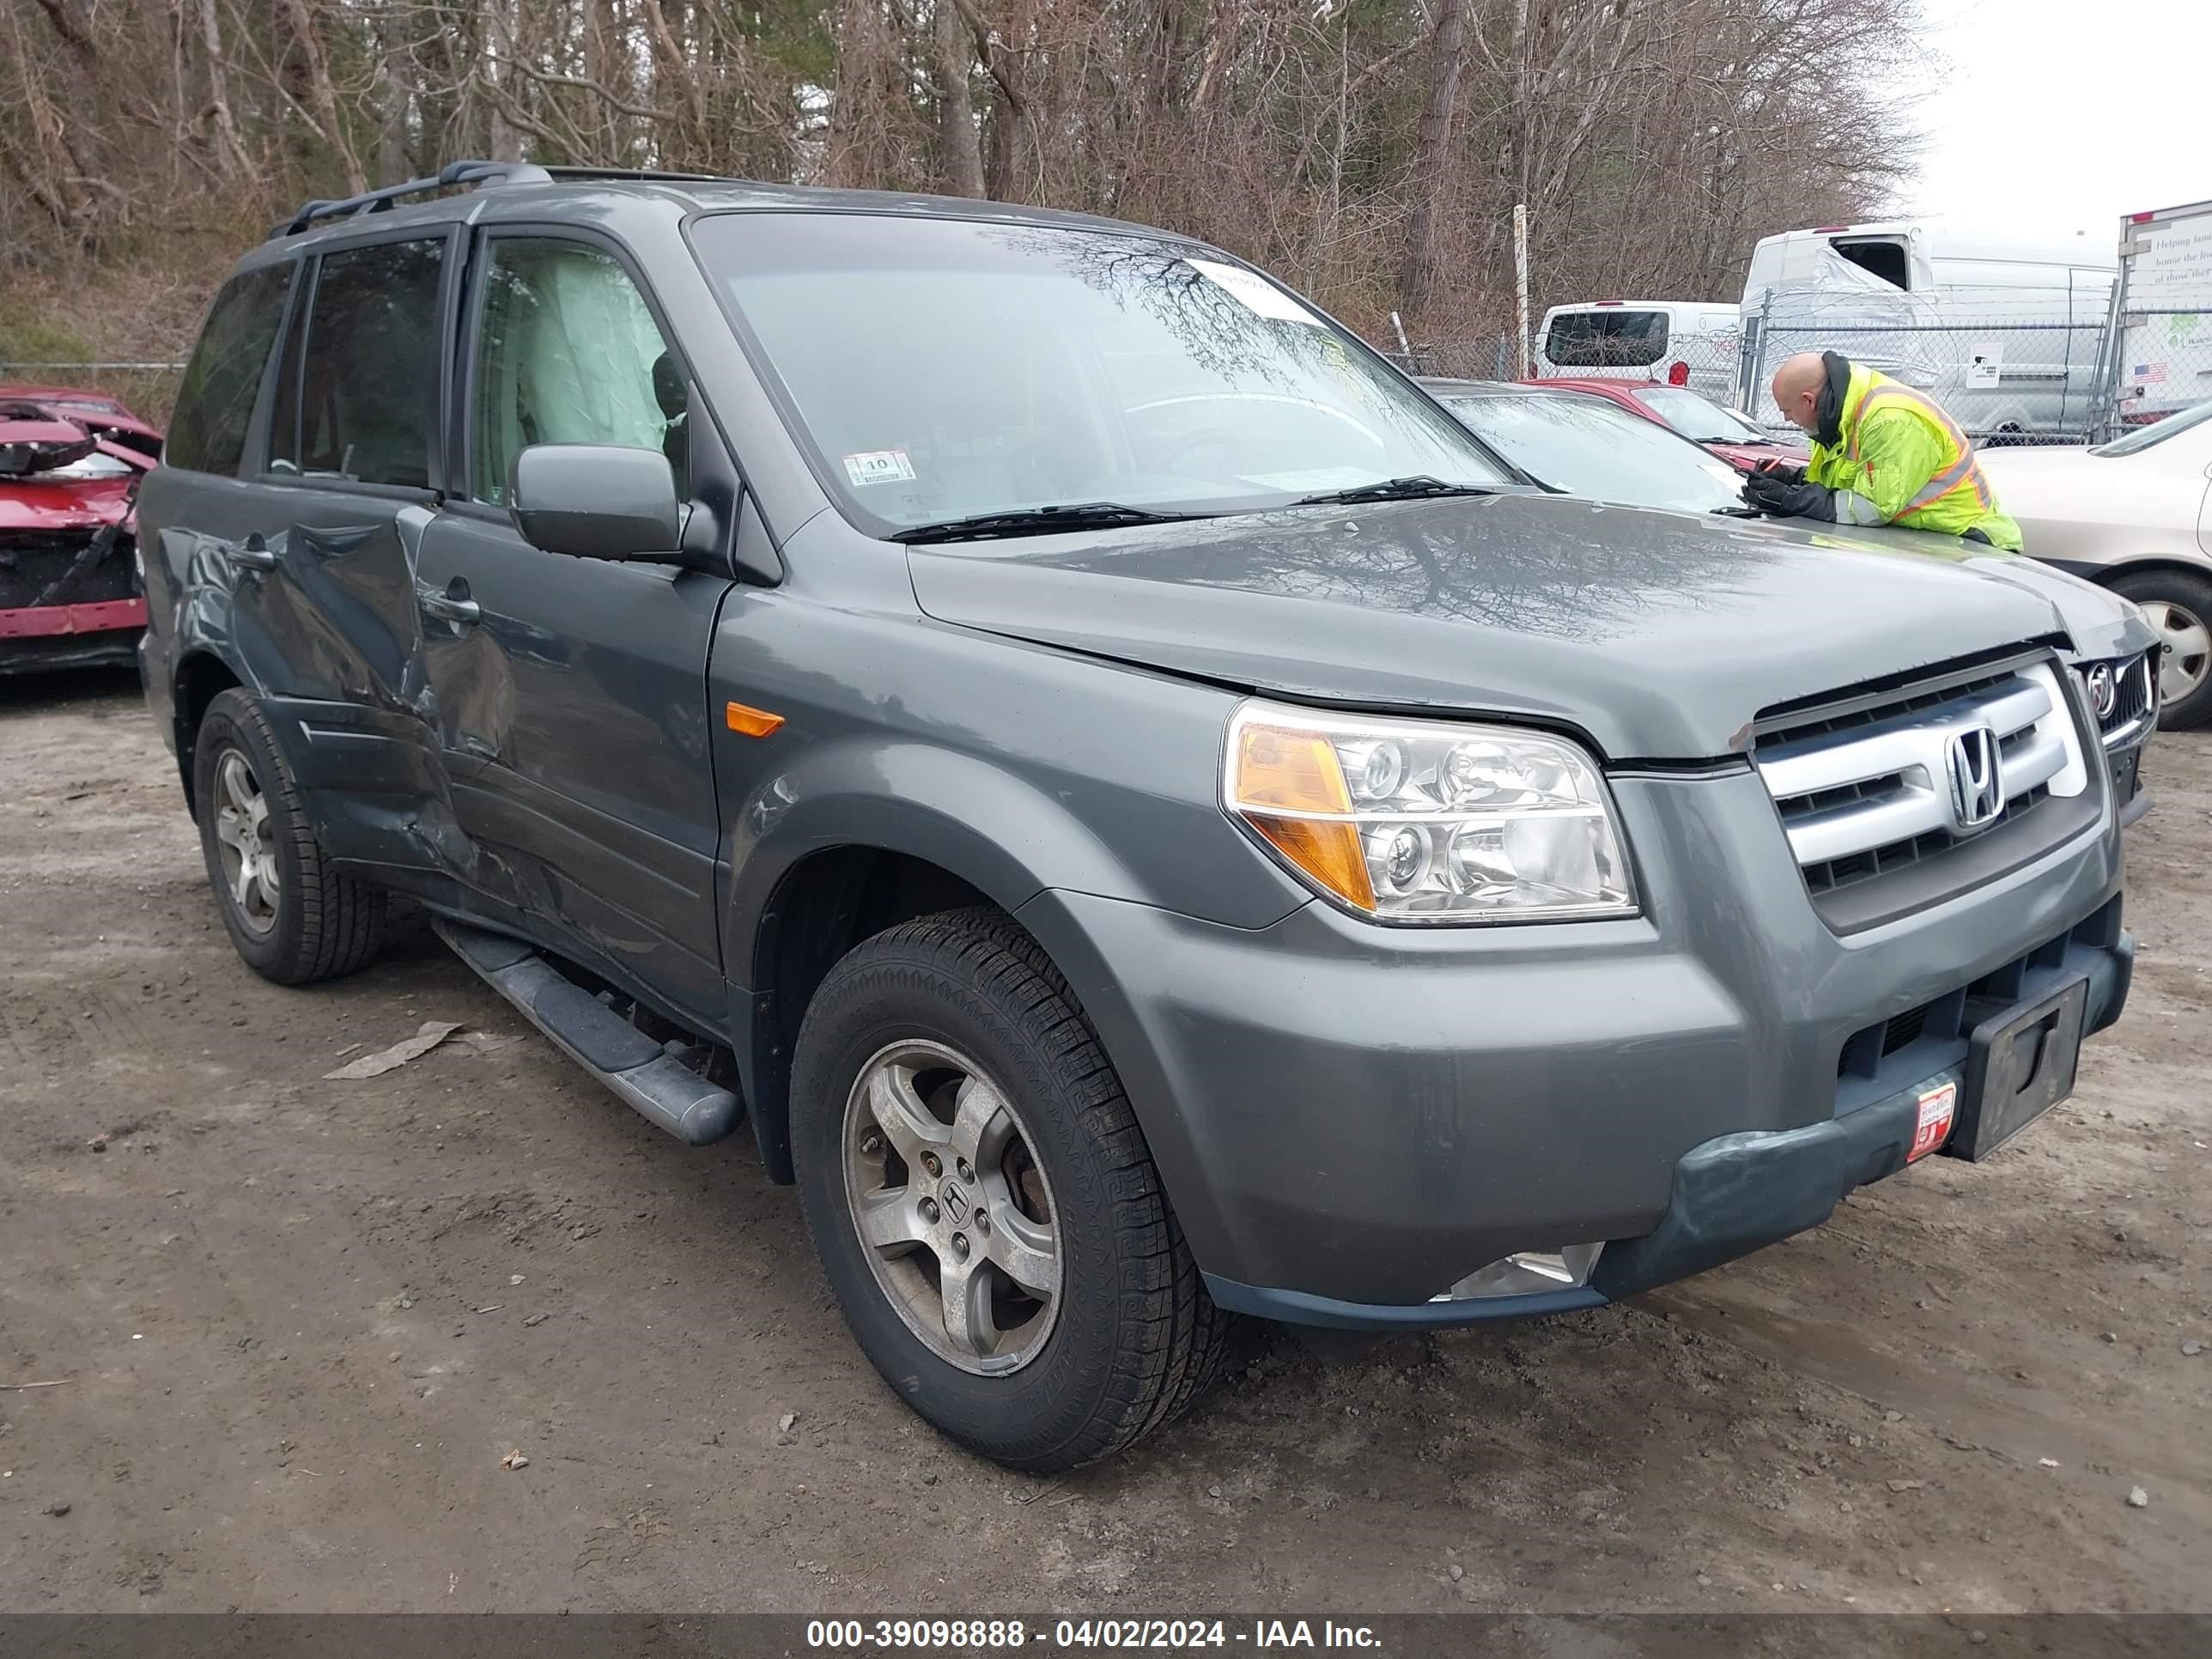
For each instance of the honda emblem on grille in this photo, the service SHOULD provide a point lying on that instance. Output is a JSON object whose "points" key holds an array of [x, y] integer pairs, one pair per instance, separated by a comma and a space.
{"points": [[1977, 787], [2104, 691]]}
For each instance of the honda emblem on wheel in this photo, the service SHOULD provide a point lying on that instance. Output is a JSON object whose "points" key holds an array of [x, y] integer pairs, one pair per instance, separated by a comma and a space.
{"points": [[1977, 785]]}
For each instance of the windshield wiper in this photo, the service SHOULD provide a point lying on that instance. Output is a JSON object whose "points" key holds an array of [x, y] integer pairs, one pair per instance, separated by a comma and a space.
{"points": [[1418, 487], [1039, 521], [1739, 512]]}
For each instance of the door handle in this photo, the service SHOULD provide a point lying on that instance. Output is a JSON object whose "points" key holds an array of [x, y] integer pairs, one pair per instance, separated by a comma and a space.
{"points": [[454, 606], [253, 553]]}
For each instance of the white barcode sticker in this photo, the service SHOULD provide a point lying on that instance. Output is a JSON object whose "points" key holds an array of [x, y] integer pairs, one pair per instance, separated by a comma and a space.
{"points": [[1254, 292]]}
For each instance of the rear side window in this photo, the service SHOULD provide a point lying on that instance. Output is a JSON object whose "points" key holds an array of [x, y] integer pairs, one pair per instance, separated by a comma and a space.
{"points": [[1885, 259], [365, 407], [207, 430], [1607, 339]]}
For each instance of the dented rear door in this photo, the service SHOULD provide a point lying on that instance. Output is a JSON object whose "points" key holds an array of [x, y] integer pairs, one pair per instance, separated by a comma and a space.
{"points": [[324, 600]]}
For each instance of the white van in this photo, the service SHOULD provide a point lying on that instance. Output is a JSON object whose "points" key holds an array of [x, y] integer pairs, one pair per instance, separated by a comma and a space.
{"points": [[2003, 333], [1690, 343]]}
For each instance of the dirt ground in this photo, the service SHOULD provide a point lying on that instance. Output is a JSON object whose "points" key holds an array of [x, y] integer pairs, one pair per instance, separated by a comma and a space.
{"points": [[295, 1325]]}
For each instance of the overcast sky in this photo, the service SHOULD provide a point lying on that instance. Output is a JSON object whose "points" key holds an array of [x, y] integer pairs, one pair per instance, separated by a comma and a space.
{"points": [[2057, 116]]}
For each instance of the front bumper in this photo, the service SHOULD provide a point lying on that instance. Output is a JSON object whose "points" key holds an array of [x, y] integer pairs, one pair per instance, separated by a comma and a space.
{"points": [[1734, 1195], [1349, 1119], [69, 635], [2126, 765]]}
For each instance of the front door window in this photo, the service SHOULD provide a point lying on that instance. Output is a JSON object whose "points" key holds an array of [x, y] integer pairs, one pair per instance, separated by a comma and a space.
{"points": [[567, 353]]}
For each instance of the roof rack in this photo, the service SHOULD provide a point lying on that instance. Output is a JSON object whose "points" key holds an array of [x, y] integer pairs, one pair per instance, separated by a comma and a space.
{"points": [[643, 175], [376, 200]]}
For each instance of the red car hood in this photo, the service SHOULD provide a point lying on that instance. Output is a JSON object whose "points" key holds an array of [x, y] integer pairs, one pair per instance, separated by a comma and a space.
{"points": [[1746, 457], [41, 430], [36, 503]]}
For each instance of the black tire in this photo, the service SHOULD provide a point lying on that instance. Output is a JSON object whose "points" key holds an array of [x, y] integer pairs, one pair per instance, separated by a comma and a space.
{"points": [[319, 925], [1135, 1339], [2186, 591]]}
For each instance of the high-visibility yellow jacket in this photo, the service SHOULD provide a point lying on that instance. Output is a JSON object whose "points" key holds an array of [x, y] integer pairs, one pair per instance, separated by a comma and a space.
{"points": [[1900, 459]]}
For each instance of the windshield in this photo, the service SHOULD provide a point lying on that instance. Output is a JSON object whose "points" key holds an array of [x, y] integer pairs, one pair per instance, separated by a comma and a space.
{"points": [[2143, 437], [944, 368], [1698, 419], [1585, 446]]}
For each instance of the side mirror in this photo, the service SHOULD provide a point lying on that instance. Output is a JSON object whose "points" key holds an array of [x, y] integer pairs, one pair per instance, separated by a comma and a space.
{"points": [[595, 500]]}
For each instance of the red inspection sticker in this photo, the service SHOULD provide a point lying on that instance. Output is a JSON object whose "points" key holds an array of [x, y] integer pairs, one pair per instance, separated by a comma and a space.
{"points": [[1937, 1106]]}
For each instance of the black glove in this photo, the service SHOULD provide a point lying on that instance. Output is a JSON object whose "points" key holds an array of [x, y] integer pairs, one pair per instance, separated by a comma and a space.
{"points": [[1780, 498], [1788, 471]]}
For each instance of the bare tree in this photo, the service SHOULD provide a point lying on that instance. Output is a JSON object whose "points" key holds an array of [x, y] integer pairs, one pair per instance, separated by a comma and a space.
{"points": [[1417, 277], [1372, 152]]}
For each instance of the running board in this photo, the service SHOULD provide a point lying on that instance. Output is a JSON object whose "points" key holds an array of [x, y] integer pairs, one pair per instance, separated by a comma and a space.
{"points": [[638, 1069]]}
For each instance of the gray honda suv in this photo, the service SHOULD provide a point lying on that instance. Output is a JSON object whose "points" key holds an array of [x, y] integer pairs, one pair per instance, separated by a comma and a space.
{"points": [[1144, 816]]}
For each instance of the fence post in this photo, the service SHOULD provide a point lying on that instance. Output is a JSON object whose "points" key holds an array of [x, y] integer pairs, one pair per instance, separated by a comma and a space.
{"points": [[1751, 357], [1520, 291], [2105, 419]]}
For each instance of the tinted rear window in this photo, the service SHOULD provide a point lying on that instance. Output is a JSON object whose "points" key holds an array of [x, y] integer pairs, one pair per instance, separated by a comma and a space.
{"points": [[367, 403], [1607, 339], [207, 430]]}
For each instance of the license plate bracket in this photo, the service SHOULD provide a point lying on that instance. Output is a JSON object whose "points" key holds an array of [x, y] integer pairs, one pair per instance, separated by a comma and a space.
{"points": [[2020, 1063]]}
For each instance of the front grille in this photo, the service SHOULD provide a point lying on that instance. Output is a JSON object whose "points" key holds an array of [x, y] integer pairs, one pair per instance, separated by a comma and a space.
{"points": [[46, 567], [1830, 874], [1864, 789], [2133, 701]]}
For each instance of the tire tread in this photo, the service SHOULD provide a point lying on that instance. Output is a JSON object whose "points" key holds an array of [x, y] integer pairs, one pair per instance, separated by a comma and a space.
{"points": [[1176, 1342]]}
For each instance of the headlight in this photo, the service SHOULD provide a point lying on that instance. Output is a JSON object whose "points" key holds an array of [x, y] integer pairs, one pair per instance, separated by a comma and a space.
{"points": [[1423, 821]]}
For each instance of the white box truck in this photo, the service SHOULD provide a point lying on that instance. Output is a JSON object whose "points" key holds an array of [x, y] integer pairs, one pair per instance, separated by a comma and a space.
{"points": [[2005, 333], [2162, 351]]}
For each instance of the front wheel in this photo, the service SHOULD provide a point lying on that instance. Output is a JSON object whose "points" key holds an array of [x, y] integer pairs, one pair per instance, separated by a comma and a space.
{"points": [[2177, 605], [983, 1203]]}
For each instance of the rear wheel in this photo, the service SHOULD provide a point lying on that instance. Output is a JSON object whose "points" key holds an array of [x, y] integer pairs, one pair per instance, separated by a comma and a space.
{"points": [[290, 916], [983, 1203], [2178, 604]]}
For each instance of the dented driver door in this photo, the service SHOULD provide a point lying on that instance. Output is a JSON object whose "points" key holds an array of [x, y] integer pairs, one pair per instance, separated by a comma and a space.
{"points": [[570, 694], [571, 712]]}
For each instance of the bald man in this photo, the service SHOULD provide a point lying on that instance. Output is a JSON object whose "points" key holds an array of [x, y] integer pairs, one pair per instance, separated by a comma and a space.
{"points": [[1882, 454]]}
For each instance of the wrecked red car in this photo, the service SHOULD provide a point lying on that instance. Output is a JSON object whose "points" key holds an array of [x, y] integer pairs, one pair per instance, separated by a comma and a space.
{"points": [[70, 466]]}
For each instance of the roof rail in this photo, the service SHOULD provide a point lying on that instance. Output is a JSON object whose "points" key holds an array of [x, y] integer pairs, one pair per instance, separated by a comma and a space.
{"points": [[643, 175], [376, 200]]}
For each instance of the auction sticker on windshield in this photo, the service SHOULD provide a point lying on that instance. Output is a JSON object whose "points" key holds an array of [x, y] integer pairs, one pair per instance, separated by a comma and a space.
{"points": [[879, 466], [1255, 293]]}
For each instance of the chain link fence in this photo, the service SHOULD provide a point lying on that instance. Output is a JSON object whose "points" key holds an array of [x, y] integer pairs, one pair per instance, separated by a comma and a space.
{"points": [[2008, 379], [1476, 357], [2005, 379], [2161, 362]]}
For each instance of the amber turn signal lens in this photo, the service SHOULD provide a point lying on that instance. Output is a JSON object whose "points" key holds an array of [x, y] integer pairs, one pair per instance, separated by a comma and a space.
{"points": [[750, 722], [1329, 852], [1296, 772]]}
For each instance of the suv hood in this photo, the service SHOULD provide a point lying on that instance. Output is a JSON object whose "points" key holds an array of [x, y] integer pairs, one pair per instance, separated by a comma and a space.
{"points": [[1659, 635]]}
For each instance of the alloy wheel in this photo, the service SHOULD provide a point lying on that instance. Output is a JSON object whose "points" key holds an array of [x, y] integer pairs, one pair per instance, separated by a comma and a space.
{"points": [[954, 1212], [246, 842], [2185, 648]]}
